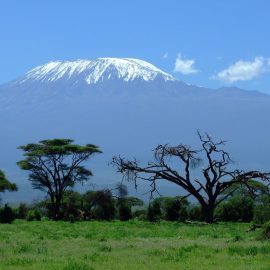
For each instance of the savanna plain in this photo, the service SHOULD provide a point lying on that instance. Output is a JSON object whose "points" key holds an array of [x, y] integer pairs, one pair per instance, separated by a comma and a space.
{"points": [[94, 245]]}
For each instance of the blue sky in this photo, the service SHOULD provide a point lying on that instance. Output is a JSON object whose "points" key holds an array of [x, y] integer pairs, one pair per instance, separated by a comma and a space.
{"points": [[209, 43]]}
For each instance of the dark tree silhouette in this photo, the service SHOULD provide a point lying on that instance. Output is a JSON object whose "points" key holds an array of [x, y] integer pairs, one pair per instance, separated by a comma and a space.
{"points": [[209, 189], [55, 166]]}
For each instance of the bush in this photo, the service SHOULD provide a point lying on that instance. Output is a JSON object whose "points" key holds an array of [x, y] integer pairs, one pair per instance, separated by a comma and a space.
{"points": [[124, 210], [33, 214], [22, 211], [238, 208], [195, 213], [262, 210], [154, 211], [7, 215], [104, 205], [175, 209], [140, 214], [266, 231]]}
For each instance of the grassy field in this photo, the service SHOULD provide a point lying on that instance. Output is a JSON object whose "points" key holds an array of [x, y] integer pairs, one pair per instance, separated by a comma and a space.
{"points": [[130, 245]]}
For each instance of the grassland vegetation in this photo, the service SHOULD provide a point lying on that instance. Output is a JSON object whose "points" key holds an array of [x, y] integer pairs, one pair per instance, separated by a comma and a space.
{"points": [[131, 245]]}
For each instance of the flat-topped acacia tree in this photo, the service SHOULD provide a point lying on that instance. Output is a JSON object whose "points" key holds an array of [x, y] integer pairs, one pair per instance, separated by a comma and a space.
{"points": [[55, 166], [175, 164]]}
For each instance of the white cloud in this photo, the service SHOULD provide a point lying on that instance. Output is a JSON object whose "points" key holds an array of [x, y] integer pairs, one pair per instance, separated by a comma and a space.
{"points": [[243, 70], [184, 66], [165, 55]]}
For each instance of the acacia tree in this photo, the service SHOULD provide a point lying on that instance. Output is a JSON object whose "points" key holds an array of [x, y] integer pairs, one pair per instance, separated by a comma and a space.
{"points": [[215, 178], [5, 185], [55, 166]]}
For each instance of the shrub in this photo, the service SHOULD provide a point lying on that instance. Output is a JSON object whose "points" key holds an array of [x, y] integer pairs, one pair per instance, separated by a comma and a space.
{"points": [[237, 208], [103, 204], [266, 231], [33, 214], [154, 211], [262, 210], [124, 210], [7, 215], [175, 209], [22, 211], [195, 213]]}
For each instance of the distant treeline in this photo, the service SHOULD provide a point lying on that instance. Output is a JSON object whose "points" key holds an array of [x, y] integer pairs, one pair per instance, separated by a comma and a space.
{"points": [[222, 193], [240, 206]]}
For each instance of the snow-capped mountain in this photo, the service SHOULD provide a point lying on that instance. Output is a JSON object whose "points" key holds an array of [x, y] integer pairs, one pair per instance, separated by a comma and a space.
{"points": [[126, 106], [94, 71]]}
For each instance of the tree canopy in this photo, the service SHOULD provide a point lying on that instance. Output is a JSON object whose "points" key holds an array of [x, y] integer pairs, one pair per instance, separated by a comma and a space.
{"points": [[5, 185]]}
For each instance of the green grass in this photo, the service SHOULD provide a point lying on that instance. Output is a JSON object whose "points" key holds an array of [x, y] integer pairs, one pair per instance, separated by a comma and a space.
{"points": [[130, 245]]}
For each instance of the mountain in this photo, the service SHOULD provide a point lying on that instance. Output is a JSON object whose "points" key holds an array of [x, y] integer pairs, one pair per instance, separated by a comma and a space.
{"points": [[126, 106], [95, 71]]}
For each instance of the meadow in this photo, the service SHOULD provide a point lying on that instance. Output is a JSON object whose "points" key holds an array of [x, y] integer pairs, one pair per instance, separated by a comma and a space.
{"points": [[131, 245]]}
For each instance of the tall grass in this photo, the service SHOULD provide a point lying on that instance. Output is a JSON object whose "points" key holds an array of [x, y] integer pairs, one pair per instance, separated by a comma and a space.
{"points": [[130, 245]]}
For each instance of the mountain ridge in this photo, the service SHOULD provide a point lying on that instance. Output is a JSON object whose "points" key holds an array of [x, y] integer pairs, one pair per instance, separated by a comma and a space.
{"points": [[84, 73], [94, 71]]}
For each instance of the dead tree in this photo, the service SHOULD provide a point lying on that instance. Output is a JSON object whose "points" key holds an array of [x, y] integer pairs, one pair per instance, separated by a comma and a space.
{"points": [[175, 164]]}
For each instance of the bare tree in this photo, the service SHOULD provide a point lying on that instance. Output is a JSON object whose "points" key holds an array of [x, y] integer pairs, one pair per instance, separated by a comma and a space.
{"points": [[216, 176]]}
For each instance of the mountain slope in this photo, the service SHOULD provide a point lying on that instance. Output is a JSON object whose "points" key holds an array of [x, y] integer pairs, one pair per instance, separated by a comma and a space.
{"points": [[126, 106]]}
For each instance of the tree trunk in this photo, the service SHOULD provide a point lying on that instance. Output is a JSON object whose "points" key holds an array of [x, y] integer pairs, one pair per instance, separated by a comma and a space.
{"points": [[55, 207], [57, 213], [208, 213]]}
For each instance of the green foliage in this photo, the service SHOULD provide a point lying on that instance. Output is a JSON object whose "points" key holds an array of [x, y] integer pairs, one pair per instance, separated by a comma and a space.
{"points": [[168, 208], [154, 211], [140, 214], [124, 210], [5, 185], [133, 201], [6, 214], [195, 213], [22, 211], [237, 208], [100, 204], [266, 231], [262, 210], [72, 204], [33, 214], [175, 209]]}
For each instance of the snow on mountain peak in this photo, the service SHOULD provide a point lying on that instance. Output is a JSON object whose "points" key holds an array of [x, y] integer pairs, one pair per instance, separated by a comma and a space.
{"points": [[94, 71]]}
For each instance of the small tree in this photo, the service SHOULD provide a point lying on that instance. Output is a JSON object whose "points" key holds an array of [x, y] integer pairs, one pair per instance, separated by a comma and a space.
{"points": [[22, 211], [5, 185], [124, 209], [154, 211], [208, 190], [55, 166], [7, 215], [103, 205], [176, 209]]}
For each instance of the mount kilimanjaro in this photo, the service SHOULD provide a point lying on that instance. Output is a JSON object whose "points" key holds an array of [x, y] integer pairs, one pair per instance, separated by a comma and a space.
{"points": [[126, 106]]}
